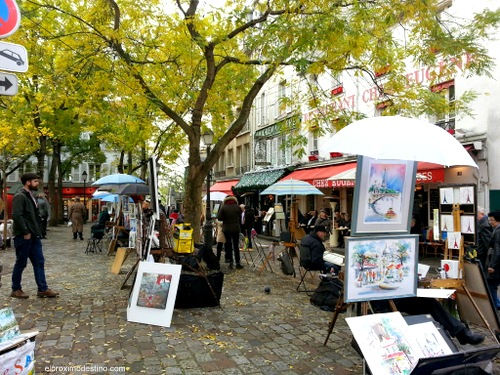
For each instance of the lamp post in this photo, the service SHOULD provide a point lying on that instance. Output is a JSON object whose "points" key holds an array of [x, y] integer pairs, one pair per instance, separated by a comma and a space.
{"points": [[208, 138], [84, 178]]}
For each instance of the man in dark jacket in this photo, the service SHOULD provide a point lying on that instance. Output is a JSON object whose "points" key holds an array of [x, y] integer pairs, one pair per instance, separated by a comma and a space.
{"points": [[484, 231], [230, 215], [27, 233], [248, 224], [493, 261], [314, 242]]}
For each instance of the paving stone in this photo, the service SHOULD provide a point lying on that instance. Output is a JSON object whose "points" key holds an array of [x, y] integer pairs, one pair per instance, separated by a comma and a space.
{"points": [[252, 332]]}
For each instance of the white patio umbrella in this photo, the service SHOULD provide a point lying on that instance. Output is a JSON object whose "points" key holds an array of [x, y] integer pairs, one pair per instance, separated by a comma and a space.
{"points": [[350, 174], [291, 187], [118, 178], [216, 196], [400, 138]]}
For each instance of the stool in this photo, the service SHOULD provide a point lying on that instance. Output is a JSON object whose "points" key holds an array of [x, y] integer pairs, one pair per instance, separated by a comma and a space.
{"points": [[93, 245]]}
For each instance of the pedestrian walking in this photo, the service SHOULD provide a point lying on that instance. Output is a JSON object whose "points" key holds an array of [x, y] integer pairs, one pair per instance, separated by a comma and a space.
{"points": [[493, 258], [484, 232], [44, 211], [231, 215], [27, 233], [76, 213]]}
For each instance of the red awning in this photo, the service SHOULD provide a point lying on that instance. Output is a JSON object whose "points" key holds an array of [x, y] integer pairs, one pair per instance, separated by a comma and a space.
{"points": [[429, 172], [318, 176], [224, 186]]}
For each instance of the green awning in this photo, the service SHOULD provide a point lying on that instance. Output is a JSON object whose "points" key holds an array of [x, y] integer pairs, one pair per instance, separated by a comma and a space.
{"points": [[259, 180]]}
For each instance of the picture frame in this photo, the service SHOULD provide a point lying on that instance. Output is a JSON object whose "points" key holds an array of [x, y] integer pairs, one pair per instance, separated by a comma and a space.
{"points": [[153, 297], [381, 267], [468, 224], [383, 196]]}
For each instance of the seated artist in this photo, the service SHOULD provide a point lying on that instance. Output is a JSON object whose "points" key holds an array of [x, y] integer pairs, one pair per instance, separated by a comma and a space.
{"points": [[422, 305], [314, 241]]}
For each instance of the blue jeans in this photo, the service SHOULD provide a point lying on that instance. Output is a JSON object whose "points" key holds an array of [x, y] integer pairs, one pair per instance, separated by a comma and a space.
{"points": [[493, 287], [29, 249], [232, 245]]}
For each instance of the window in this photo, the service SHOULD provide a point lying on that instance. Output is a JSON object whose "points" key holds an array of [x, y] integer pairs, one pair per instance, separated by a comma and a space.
{"points": [[230, 158], [262, 109], [282, 97], [446, 120]]}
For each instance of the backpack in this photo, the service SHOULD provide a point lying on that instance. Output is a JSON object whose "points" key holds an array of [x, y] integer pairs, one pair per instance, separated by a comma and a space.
{"points": [[325, 296], [286, 263]]}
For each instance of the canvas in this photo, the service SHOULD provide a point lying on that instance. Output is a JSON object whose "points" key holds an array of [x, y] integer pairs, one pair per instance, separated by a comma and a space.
{"points": [[8, 325], [446, 196], [466, 195], [467, 224], [383, 196], [446, 223], [381, 267], [153, 296]]}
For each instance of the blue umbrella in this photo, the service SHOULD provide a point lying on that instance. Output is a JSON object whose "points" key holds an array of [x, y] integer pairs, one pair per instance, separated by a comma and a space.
{"points": [[291, 187], [118, 178], [111, 198]]}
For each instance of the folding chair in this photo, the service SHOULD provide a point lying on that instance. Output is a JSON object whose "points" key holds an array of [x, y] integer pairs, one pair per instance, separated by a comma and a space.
{"points": [[305, 268], [263, 256], [244, 250], [94, 242]]}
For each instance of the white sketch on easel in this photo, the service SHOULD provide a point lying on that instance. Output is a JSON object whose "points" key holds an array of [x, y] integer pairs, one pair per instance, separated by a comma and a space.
{"points": [[466, 195], [467, 224], [446, 196], [454, 239], [446, 223]]}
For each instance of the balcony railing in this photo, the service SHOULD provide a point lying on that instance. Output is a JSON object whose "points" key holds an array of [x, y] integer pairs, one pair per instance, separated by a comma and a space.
{"points": [[243, 169], [448, 125], [220, 174]]}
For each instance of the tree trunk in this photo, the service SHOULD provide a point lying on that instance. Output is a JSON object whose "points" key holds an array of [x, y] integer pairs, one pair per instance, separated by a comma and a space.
{"points": [[54, 193], [192, 207]]}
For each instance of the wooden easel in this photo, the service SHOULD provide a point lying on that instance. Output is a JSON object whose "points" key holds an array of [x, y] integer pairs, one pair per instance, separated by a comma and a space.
{"points": [[342, 306]]}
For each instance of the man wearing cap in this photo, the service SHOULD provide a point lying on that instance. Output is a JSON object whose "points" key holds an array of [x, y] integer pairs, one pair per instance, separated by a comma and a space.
{"points": [[27, 233], [314, 241]]}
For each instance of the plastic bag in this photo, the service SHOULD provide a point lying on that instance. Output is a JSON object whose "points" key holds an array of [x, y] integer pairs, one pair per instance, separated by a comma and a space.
{"points": [[70, 223]]}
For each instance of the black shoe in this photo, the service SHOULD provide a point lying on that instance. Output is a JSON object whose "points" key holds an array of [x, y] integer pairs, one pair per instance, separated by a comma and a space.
{"points": [[239, 266], [468, 337]]}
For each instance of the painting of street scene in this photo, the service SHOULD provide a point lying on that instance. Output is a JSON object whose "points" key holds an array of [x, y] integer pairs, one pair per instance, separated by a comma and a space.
{"points": [[8, 325], [385, 342], [153, 292], [385, 188], [381, 267]]}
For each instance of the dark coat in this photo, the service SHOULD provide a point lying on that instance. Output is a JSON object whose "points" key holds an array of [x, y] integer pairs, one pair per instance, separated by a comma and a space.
{"points": [[494, 260], [249, 218], [25, 215], [314, 243], [230, 215], [484, 232]]}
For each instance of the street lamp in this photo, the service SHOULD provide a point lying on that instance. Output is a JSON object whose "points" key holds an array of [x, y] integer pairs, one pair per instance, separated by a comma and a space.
{"points": [[208, 138], [84, 178]]}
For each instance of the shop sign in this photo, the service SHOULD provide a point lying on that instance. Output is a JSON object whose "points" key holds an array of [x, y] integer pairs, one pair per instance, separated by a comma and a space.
{"points": [[323, 183], [432, 175]]}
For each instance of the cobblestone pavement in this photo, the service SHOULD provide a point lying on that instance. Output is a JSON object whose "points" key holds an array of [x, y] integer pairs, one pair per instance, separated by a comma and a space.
{"points": [[251, 333]]}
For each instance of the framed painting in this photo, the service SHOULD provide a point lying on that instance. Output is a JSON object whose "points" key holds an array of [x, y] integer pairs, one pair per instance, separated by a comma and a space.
{"points": [[383, 196], [153, 296], [381, 267]]}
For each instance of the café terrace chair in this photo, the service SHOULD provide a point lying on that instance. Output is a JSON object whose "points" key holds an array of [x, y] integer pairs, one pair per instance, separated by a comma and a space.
{"points": [[305, 269]]}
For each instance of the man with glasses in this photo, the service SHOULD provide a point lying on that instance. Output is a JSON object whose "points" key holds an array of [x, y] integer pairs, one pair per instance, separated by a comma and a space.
{"points": [[493, 260]]}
